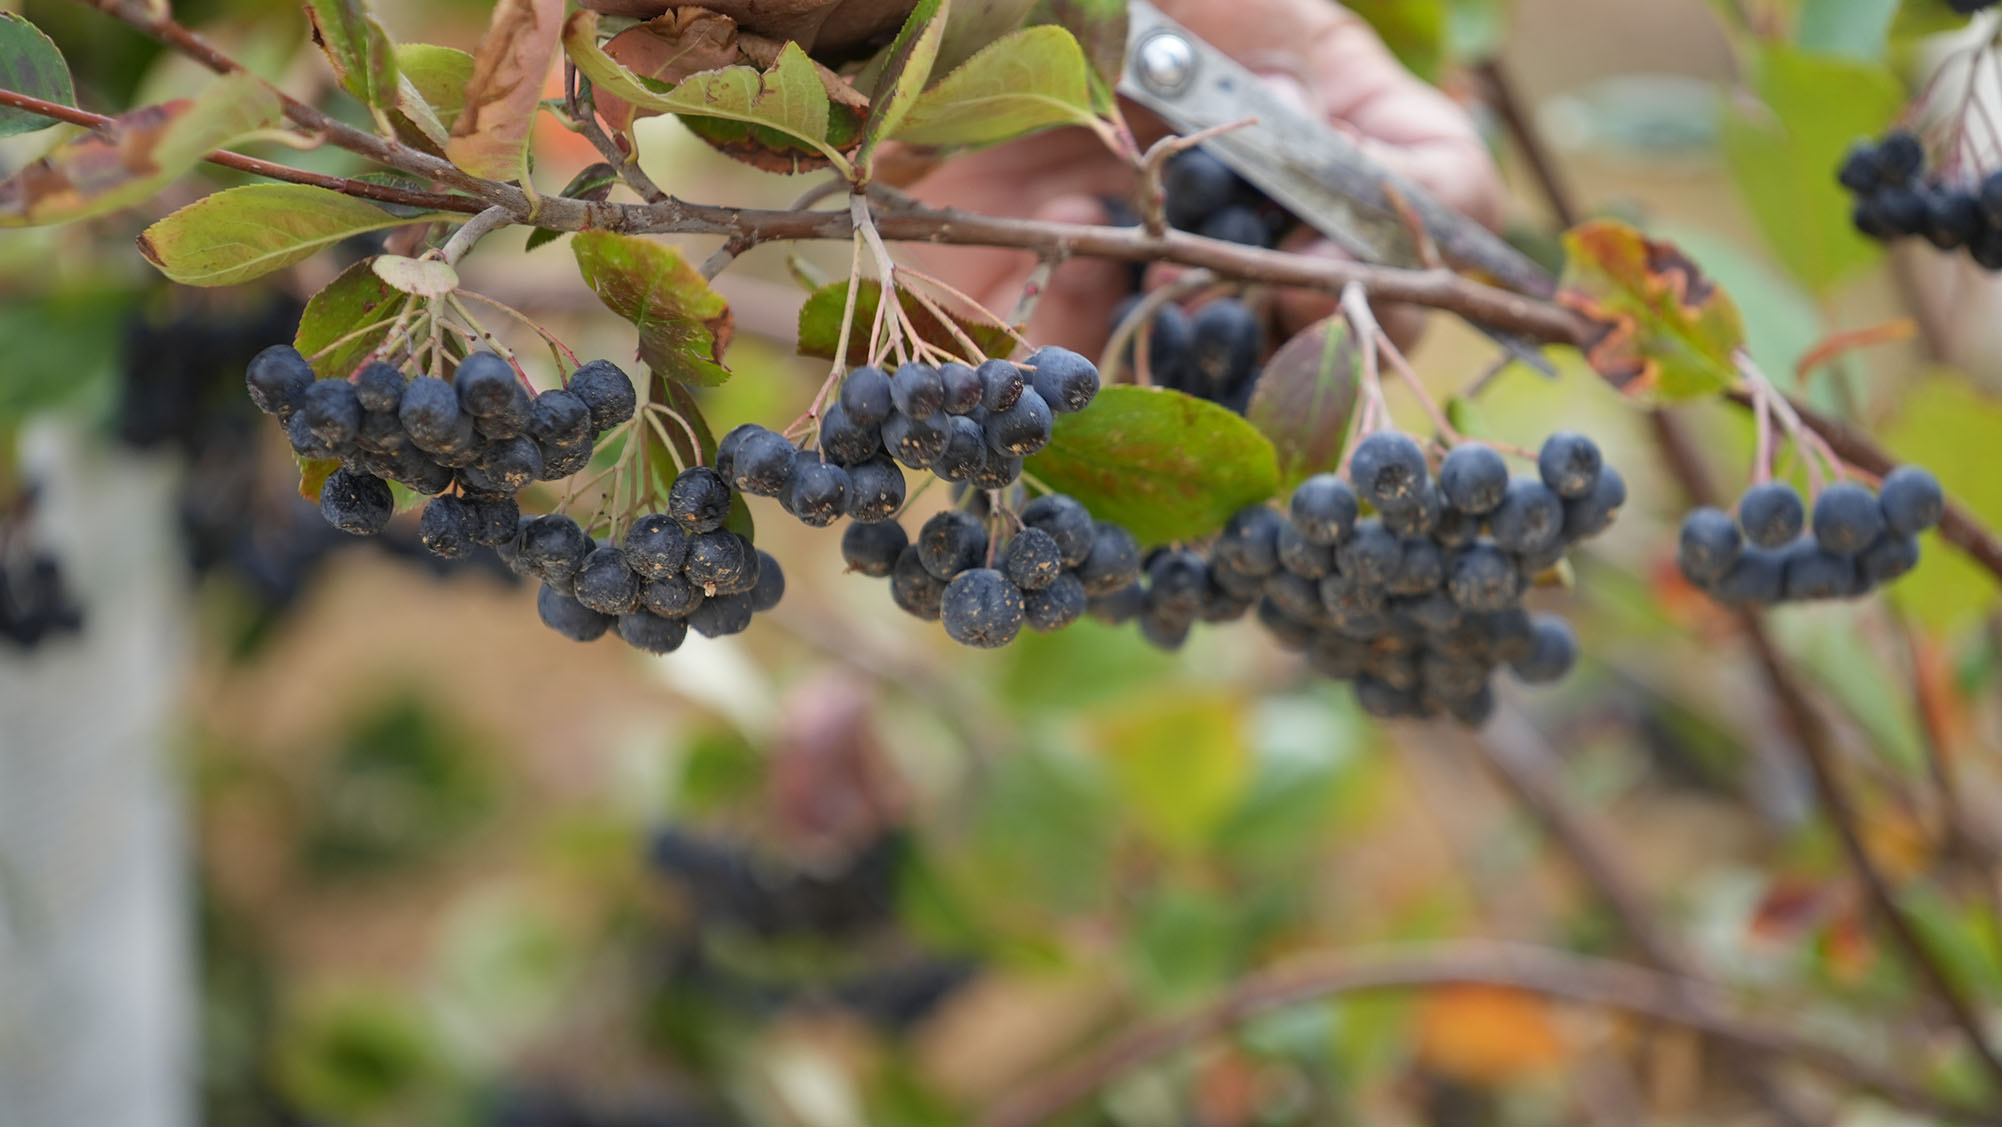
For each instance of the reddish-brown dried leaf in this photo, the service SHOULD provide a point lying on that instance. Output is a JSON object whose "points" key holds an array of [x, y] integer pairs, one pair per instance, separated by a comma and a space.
{"points": [[669, 49], [1662, 330], [491, 136]]}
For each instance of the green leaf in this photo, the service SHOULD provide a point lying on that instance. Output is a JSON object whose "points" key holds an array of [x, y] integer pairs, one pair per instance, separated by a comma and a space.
{"points": [[135, 154], [1100, 29], [439, 75], [787, 99], [490, 137], [1303, 400], [357, 48], [1166, 465], [30, 64], [239, 234], [906, 69], [1948, 425], [1179, 762], [1414, 30], [357, 303], [969, 26], [313, 475], [820, 324], [594, 183], [1032, 79], [1185, 942], [1918, 19], [1665, 332], [1783, 155], [684, 326]]}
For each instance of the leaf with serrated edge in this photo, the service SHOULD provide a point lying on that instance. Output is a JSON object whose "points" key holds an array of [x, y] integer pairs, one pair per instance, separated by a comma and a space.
{"points": [[684, 326], [439, 75], [358, 50], [1100, 29], [418, 277], [1303, 400], [239, 234], [1033, 79], [905, 71], [788, 98], [134, 155], [820, 324], [30, 64], [1167, 466], [490, 138], [355, 301], [1662, 331]]}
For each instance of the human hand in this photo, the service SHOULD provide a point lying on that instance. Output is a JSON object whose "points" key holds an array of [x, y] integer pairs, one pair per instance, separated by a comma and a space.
{"points": [[1321, 57]]}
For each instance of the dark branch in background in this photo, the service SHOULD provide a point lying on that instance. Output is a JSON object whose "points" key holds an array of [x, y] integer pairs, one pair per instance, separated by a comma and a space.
{"points": [[383, 193], [1539, 970]]}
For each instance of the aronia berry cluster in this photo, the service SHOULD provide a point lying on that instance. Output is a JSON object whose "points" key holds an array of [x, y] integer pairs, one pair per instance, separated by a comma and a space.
{"points": [[1771, 554]]}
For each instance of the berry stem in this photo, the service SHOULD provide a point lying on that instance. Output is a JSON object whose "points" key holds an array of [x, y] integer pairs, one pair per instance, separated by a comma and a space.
{"points": [[557, 348], [473, 323], [1141, 315], [402, 311], [974, 354], [1356, 306]]}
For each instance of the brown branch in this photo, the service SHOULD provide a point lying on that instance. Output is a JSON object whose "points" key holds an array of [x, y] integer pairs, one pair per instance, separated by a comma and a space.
{"points": [[431, 201], [1529, 140], [1539, 970]]}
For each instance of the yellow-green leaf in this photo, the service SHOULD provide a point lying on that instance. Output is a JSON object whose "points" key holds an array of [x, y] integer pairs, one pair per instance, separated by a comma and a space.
{"points": [[239, 234], [1949, 426], [135, 154], [357, 48], [1032, 79], [906, 69], [438, 75], [1180, 761], [356, 310]]}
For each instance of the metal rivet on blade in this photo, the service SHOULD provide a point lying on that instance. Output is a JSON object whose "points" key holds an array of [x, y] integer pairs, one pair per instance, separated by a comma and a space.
{"points": [[1165, 62]]}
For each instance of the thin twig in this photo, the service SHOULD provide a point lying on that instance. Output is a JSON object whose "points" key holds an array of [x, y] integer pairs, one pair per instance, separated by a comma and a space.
{"points": [[1540, 970], [1033, 287], [473, 230], [1113, 357]]}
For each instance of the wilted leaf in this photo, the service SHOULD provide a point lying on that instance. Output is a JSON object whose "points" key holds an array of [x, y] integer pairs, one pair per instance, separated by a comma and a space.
{"points": [[684, 326], [357, 303], [357, 48], [490, 138], [1100, 29], [1783, 154], [132, 156], [418, 277], [1663, 331], [906, 69], [439, 75], [1032, 79], [668, 49], [1303, 400], [788, 102], [30, 64], [1166, 465], [1179, 762], [820, 324], [242, 233]]}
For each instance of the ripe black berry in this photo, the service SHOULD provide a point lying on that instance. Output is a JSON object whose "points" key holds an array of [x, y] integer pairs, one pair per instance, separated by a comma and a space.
{"points": [[699, 499], [1001, 384], [1301, 556], [495, 522], [950, 542], [721, 616], [1418, 519], [1112, 563], [1176, 579], [715, 559], [1757, 576], [916, 442], [277, 378], [1066, 521], [381, 431], [1033, 561], [965, 452], [1912, 500], [1888, 557], [1197, 185], [446, 528], [559, 418], [1249, 544], [1846, 518], [656, 546], [1225, 341], [485, 384], [1056, 606], [429, 411], [916, 389], [379, 387], [1023, 429], [647, 631], [606, 585], [1900, 156], [1860, 171], [1530, 518], [1239, 225], [1553, 650], [553, 546], [1771, 514], [981, 608], [358, 504], [607, 391], [1473, 478], [1568, 463], [760, 461], [771, 585], [304, 442], [964, 388], [1388, 470], [816, 490], [1709, 545], [1066, 381], [1421, 567], [1324, 509], [331, 412], [1370, 555], [914, 588], [875, 489], [845, 441], [507, 467], [559, 462], [568, 617], [670, 596], [865, 396], [1593, 513], [1809, 571], [872, 547], [1482, 577]]}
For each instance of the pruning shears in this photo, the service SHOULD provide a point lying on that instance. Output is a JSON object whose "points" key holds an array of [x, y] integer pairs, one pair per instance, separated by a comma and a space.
{"points": [[1306, 165]]}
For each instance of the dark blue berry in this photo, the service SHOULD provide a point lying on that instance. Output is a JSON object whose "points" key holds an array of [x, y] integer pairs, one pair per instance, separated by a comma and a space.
{"points": [[559, 418], [1473, 478], [554, 546], [715, 559], [656, 546], [358, 504], [1033, 561], [1118, 607], [721, 616], [917, 390], [277, 378], [1860, 171], [379, 387], [304, 442], [606, 584], [495, 522], [771, 585], [1900, 156], [607, 391], [1176, 579], [1709, 545], [331, 412], [1055, 606], [1067, 522], [1482, 577], [1370, 555], [1418, 519], [865, 396], [485, 383], [1226, 340], [568, 617], [817, 491], [1023, 429], [1249, 543], [650, 633], [1196, 185], [446, 528], [914, 588], [1237, 224], [1301, 556], [950, 542], [430, 411], [875, 489], [760, 461], [1112, 563], [1568, 463], [1553, 650], [1846, 518], [916, 442], [1887, 558], [1001, 384], [1771, 514], [1756, 577], [1066, 381], [845, 441], [964, 388], [1911, 500], [965, 452], [507, 467], [1324, 509], [1421, 567], [670, 596], [1388, 470], [559, 462], [872, 547]]}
